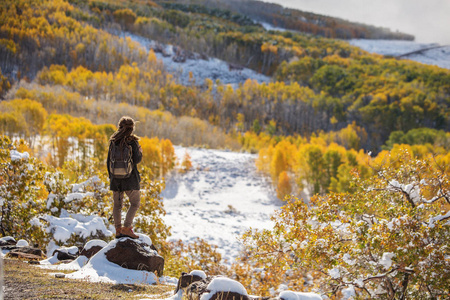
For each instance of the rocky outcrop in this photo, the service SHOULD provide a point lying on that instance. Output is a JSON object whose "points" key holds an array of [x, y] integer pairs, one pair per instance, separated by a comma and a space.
{"points": [[136, 255]]}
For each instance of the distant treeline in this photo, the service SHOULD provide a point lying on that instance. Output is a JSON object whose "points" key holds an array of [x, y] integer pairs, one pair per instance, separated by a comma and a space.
{"points": [[319, 84], [279, 16]]}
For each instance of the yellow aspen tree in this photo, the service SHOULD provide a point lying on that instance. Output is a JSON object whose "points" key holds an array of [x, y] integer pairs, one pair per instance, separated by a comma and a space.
{"points": [[186, 164], [278, 163], [167, 157], [284, 186], [151, 155]]}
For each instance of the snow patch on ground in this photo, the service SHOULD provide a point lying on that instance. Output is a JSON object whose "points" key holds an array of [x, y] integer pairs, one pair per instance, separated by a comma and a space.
{"points": [[100, 269], [438, 56], [201, 69], [220, 198], [268, 26], [51, 263]]}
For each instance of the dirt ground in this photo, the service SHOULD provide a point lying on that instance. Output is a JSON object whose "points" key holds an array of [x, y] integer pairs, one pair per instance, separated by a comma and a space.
{"points": [[25, 281]]}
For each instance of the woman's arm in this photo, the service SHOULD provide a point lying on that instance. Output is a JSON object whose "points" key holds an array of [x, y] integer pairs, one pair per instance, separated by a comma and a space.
{"points": [[137, 152], [107, 160]]}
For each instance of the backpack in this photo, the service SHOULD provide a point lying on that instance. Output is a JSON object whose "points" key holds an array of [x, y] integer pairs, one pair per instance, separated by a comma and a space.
{"points": [[120, 160]]}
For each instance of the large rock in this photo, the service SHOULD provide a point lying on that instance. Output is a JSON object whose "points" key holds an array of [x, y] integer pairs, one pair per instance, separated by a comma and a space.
{"points": [[25, 252], [91, 251], [26, 256], [186, 280], [136, 255], [29, 250], [218, 288], [195, 290], [65, 253], [92, 247]]}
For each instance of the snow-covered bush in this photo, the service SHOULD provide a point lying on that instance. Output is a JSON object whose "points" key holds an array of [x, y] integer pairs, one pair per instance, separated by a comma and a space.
{"points": [[56, 207], [87, 197], [76, 212], [22, 194], [84, 209], [389, 239]]}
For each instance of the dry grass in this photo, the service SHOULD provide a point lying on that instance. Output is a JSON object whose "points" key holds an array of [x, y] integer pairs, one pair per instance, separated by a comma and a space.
{"points": [[25, 281]]}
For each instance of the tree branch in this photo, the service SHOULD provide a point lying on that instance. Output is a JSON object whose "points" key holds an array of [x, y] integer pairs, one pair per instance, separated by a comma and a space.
{"points": [[405, 285], [434, 199]]}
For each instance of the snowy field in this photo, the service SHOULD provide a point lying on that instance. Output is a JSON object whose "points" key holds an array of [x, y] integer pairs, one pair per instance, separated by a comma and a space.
{"points": [[220, 198], [438, 56], [201, 69]]}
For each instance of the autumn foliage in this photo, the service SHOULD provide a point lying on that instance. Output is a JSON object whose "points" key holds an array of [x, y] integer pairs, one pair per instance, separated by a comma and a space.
{"points": [[363, 137], [388, 239], [320, 85]]}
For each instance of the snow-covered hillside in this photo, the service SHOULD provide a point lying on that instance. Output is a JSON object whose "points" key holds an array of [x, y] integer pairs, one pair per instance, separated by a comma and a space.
{"points": [[220, 198], [201, 68], [433, 54], [216, 69]]}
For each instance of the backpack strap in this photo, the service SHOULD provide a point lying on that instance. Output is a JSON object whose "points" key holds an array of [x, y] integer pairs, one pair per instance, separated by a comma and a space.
{"points": [[111, 151]]}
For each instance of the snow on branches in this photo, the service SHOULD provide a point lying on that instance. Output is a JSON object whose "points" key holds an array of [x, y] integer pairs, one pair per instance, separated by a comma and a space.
{"points": [[388, 239]]}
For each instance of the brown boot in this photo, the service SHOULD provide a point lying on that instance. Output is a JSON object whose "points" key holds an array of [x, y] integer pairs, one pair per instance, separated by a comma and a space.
{"points": [[128, 232], [119, 232]]}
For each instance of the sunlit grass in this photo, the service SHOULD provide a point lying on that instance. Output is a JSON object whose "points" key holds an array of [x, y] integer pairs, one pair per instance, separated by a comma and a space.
{"points": [[25, 281]]}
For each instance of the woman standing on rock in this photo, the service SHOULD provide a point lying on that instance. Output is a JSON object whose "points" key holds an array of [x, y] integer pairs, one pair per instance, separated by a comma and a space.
{"points": [[123, 156]]}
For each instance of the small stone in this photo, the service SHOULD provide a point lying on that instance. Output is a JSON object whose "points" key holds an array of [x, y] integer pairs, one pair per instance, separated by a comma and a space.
{"points": [[60, 275]]}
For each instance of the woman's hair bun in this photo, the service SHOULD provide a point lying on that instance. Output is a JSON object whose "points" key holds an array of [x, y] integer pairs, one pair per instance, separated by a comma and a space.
{"points": [[126, 122]]}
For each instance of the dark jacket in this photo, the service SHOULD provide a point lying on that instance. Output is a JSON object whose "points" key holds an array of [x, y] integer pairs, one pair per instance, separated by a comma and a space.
{"points": [[132, 182]]}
